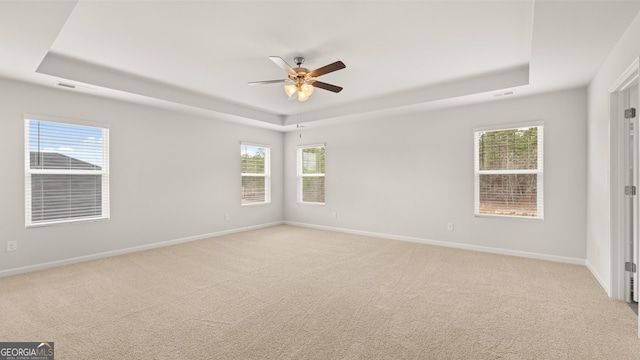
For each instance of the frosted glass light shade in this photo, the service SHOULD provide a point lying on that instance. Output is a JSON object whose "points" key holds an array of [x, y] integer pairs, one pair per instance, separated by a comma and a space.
{"points": [[302, 96], [290, 90], [307, 89]]}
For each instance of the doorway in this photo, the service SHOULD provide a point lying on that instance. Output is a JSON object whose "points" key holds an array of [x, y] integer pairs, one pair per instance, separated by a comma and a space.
{"points": [[628, 103]]}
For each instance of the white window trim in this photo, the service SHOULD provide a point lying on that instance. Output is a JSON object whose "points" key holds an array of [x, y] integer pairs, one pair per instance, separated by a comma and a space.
{"points": [[539, 171], [266, 175], [300, 175], [106, 210]]}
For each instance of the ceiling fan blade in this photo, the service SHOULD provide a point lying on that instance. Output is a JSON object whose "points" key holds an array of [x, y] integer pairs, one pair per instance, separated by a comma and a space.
{"points": [[270, 82], [283, 64], [326, 69], [325, 86]]}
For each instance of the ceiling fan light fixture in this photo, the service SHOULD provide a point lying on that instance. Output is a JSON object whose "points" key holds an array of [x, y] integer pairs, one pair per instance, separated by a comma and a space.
{"points": [[290, 90], [303, 90], [307, 89], [302, 96]]}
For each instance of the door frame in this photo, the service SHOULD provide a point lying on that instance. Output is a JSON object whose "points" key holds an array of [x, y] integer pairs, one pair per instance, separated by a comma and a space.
{"points": [[618, 178]]}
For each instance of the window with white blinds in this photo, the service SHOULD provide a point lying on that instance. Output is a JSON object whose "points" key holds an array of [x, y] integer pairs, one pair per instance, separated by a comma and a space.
{"points": [[509, 171], [66, 172], [311, 167], [255, 164]]}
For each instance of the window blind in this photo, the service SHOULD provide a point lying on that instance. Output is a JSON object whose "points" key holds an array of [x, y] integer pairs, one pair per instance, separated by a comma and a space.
{"points": [[66, 172], [311, 174], [255, 173], [509, 177]]}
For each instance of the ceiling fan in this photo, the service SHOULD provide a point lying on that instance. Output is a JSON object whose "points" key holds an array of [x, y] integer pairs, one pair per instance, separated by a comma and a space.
{"points": [[301, 80]]}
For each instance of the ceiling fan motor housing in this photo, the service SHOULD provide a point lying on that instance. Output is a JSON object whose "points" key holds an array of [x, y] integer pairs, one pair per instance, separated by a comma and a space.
{"points": [[301, 72]]}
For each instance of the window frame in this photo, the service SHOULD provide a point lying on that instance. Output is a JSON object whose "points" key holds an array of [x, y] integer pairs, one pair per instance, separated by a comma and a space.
{"points": [[539, 172], [300, 176], [266, 175], [104, 171]]}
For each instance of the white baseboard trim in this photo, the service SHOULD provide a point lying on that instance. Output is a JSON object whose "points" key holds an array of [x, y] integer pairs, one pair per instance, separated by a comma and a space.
{"points": [[605, 285], [52, 264], [530, 255]]}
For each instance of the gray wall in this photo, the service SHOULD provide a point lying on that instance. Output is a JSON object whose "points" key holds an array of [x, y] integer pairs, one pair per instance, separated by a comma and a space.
{"points": [[409, 176], [173, 176]]}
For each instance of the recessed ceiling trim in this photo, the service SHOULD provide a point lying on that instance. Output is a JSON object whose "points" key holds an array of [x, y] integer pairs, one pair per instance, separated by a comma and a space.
{"points": [[77, 70], [500, 80]]}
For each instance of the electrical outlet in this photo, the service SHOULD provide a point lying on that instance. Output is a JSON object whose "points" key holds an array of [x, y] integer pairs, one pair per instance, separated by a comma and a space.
{"points": [[12, 245], [450, 227], [226, 217], [334, 214]]}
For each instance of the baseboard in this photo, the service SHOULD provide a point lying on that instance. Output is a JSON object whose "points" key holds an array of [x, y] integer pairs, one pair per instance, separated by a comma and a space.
{"points": [[530, 255], [605, 285], [52, 264], [48, 265]]}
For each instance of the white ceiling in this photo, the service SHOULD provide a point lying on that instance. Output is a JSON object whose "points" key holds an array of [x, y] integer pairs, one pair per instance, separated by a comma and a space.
{"points": [[400, 55]]}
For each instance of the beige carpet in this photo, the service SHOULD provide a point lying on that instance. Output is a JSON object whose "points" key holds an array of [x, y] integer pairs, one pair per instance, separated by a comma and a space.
{"points": [[295, 293]]}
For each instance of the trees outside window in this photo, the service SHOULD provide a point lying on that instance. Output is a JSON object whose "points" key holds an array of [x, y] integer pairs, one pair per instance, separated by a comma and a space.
{"points": [[509, 172], [311, 174], [255, 161]]}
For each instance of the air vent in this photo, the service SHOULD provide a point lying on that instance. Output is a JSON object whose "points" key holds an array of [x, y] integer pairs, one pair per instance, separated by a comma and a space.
{"points": [[70, 86], [507, 93]]}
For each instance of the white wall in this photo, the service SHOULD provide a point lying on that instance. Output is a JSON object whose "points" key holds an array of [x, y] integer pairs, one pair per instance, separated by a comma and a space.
{"points": [[411, 175], [599, 153], [173, 176]]}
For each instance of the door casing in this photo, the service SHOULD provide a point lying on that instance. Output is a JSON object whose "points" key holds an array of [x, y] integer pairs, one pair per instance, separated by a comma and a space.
{"points": [[619, 250]]}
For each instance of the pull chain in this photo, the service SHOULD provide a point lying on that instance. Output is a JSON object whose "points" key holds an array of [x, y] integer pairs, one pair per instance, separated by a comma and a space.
{"points": [[298, 124]]}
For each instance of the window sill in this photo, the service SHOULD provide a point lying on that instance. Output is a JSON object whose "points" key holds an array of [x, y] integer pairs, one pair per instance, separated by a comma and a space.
{"points": [[311, 203], [256, 204], [66, 222], [509, 217]]}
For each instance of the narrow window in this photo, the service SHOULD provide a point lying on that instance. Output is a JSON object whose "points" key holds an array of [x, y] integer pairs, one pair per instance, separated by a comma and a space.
{"points": [[66, 172], [255, 172], [509, 171], [311, 167]]}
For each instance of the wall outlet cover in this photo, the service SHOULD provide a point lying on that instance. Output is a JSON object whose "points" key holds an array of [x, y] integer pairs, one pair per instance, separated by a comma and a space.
{"points": [[12, 245]]}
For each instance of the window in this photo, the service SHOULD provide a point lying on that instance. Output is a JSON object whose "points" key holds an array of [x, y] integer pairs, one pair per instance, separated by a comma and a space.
{"points": [[256, 174], [311, 174], [509, 171], [66, 172]]}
